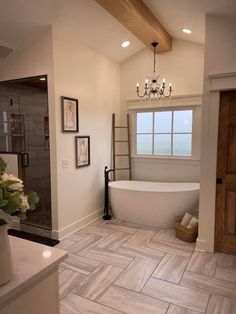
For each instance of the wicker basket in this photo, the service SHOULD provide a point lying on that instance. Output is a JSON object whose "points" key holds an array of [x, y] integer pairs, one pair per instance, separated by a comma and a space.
{"points": [[182, 233]]}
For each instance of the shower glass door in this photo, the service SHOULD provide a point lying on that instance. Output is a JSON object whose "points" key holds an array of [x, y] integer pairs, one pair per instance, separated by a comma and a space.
{"points": [[24, 129]]}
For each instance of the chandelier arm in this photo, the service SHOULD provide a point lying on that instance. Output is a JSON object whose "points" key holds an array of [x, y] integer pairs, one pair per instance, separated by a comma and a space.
{"points": [[168, 95], [141, 96]]}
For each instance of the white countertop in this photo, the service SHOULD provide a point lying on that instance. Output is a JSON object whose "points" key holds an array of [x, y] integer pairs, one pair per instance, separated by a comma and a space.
{"points": [[31, 261]]}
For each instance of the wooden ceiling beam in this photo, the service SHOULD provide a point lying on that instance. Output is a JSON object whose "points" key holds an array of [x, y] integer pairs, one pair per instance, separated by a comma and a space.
{"points": [[138, 19]]}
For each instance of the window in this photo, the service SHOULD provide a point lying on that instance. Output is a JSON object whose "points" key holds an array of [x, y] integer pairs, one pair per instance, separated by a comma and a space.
{"points": [[164, 133]]}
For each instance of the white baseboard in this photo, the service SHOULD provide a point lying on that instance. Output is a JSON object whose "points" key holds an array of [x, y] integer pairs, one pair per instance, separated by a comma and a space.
{"points": [[203, 246], [66, 231]]}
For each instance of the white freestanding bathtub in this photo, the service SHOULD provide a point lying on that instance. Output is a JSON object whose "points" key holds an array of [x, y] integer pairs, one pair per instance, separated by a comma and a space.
{"points": [[152, 203]]}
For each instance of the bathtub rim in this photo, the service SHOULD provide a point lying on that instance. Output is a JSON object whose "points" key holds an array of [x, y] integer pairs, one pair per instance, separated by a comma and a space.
{"points": [[112, 186]]}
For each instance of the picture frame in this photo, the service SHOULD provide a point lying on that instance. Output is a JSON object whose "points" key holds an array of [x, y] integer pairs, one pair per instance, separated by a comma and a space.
{"points": [[82, 149], [70, 114]]}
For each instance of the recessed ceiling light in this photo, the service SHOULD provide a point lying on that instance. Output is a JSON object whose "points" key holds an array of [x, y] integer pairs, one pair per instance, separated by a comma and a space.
{"points": [[125, 44], [42, 79], [186, 31]]}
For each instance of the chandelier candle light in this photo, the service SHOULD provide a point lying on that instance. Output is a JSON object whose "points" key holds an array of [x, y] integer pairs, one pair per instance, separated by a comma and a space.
{"points": [[153, 88]]}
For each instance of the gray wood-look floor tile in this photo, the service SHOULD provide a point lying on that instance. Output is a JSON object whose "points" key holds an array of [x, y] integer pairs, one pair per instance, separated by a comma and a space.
{"points": [[223, 274], [97, 230], [80, 264], [96, 283], [136, 274], [176, 294], [143, 236], [108, 257], [68, 280], [169, 236], [133, 250], [210, 284], [171, 247], [171, 268], [118, 257], [99, 222], [77, 236], [131, 302], [174, 309], [65, 244], [85, 244], [221, 305], [73, 304], [114, 241], [226, 268], [203, 263], [227, 261], [127, 227]]}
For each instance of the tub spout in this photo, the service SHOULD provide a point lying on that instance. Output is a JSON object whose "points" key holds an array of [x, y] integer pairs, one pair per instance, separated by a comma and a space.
{"points": [[106, 195]]}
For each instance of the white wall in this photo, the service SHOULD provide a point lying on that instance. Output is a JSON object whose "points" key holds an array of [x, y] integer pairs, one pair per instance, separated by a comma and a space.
{"points": [[73, 70], [183, 66], [220, 47], [37, 59], [94, 79]]}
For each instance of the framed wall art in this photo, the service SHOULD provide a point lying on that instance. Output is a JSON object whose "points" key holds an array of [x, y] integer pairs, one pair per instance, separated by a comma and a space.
{"points": [[82, 147], [70, 114]]}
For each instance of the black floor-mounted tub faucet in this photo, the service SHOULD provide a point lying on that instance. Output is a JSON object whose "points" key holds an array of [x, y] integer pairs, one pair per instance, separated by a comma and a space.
{"points": [[106, 194]]}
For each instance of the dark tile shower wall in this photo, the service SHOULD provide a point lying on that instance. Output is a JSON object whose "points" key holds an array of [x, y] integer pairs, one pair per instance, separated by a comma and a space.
{"points": [[26, 112]]}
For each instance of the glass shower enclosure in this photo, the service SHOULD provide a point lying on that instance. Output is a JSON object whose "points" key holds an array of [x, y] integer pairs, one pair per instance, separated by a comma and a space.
{"points": [[24, 131]]}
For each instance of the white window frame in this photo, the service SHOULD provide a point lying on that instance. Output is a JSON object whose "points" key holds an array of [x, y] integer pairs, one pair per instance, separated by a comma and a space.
{"points": [[171, 156]]}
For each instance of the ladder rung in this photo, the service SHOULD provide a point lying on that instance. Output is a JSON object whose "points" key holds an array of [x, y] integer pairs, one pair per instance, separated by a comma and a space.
{"points": [[122, 155], [121, 127], [121, 141], [122, 169]]}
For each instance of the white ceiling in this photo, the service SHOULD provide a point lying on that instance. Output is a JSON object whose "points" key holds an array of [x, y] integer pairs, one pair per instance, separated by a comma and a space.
{"points": [[22, 20], [178, 14]]}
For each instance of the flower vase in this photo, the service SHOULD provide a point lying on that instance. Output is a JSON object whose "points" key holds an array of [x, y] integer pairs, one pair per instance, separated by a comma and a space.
{"points": [[6, 267]]}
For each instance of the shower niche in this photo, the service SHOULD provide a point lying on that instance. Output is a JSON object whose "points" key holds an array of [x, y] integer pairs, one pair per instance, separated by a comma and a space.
{"points": [[24, 132]]}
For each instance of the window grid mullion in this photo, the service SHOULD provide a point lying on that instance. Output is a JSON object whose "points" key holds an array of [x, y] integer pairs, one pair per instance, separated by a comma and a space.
{"points": [[167, 133], [172, 130], [153, 123]]}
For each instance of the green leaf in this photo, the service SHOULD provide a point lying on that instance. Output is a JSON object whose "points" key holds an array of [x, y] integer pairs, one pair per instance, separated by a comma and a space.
{"points": [[14, 197], [11, 208], [3, 203], [8, 183], [2, 222], [32, 199], [3, 166], [4, 216]]}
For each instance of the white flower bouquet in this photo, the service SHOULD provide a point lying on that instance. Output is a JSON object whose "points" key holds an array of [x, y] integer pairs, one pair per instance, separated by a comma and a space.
{"points": [[14, 201]]}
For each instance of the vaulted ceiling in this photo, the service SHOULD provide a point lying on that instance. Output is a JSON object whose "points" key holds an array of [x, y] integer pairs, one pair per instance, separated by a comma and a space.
{"points": [[22, 20], [191, 14]]}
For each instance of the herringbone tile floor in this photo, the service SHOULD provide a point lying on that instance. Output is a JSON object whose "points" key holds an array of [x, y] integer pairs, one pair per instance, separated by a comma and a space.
{"points": [[118, 267]]}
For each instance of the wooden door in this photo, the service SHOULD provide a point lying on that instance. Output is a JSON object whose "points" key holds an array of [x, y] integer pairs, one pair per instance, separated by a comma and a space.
{"points": [[225, 231]]}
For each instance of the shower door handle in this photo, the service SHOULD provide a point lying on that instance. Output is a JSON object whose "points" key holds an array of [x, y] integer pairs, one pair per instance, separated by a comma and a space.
{"points": [[25, 160]]}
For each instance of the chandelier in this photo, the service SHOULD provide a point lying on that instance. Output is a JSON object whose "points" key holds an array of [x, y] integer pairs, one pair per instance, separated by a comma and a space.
{"points": [[153, 88]]}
